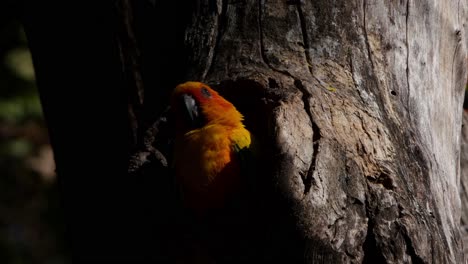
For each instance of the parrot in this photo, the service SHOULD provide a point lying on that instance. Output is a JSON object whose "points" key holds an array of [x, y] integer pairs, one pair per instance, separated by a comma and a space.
{"points": [[210, 147]]}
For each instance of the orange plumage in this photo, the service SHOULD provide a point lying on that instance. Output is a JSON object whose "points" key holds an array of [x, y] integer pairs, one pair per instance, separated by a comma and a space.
{"points": [[209, 133]]}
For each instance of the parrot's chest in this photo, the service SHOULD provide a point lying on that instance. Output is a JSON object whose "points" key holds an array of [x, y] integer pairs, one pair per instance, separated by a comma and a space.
{"points": [[202, 156]]}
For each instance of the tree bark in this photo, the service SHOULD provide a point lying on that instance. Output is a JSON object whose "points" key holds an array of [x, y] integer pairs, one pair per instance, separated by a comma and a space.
{"points": [[365, 115], [356, 107]]}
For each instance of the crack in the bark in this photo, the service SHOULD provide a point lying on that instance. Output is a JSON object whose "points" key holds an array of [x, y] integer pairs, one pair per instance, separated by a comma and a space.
{"points": [[305, 36], [262, 48], [219, 32], [454, 59], [307, 179], [407, 55], [316, 136], [262, 44], [370, 248], [369, 52], [410, 250]]}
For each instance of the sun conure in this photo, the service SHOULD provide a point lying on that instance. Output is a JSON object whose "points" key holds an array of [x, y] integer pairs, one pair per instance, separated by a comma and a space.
{"points": [[210, 139]]}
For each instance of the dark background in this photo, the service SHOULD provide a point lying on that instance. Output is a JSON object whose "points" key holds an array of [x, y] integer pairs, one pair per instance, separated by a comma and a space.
{"points": [[31, 227]]}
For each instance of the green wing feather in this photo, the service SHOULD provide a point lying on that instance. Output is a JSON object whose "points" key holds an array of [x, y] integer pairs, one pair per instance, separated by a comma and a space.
{"points": [[247, 162]]}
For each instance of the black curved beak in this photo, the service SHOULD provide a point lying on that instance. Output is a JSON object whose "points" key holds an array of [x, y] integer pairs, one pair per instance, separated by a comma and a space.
{"points": [[191, 111]]}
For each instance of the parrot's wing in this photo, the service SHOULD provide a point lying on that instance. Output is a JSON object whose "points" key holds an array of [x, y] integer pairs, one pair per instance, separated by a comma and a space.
{"points": [[245, 158], [247, 163]]}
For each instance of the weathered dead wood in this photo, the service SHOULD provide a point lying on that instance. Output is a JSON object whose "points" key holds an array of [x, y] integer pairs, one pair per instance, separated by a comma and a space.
{"points": [[365, 98]]}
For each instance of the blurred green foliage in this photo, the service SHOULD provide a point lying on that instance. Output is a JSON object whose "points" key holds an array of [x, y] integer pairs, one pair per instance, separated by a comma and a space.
{"points": [[20, 108], [30, 226], [18, 93], [17, 148]]}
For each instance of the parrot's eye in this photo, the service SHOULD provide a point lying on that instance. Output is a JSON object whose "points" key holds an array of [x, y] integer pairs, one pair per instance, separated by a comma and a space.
{"points": [[205, 92]]}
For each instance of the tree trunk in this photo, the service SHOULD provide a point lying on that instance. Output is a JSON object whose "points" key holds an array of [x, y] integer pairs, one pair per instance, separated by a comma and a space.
{"points": [[356, 107], [365, 115]]}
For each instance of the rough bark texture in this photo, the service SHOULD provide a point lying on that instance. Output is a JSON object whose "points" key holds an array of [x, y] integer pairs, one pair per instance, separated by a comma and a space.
{"points": [[365, 99]]}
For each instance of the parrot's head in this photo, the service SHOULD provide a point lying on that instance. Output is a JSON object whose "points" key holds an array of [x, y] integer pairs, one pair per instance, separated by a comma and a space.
{"points": [[196, 105]]}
